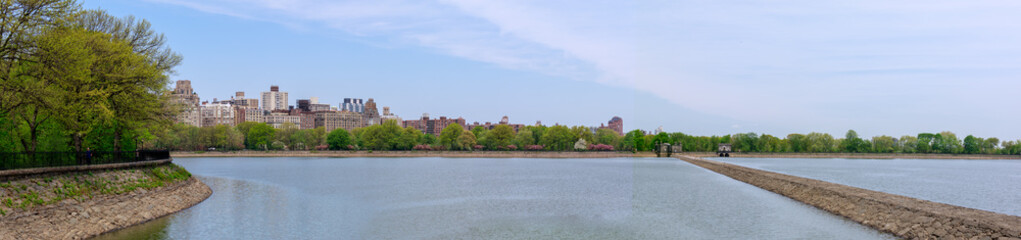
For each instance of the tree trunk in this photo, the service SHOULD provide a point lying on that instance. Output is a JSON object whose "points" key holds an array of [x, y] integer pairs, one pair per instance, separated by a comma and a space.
{"points": [[117, 138]]}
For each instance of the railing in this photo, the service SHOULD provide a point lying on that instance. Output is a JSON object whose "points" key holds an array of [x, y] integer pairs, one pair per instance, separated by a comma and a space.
{"points": [[60, 159]]}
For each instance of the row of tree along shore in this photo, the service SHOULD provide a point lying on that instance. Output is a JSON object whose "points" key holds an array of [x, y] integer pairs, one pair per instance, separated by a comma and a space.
{"points": [[390, 136]]}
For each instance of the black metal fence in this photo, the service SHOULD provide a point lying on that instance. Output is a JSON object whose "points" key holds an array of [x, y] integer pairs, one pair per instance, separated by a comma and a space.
{"points": [[59, 159]]}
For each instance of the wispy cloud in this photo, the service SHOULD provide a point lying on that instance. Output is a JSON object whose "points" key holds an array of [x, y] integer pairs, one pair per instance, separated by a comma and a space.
{"points": [[793, 62]]}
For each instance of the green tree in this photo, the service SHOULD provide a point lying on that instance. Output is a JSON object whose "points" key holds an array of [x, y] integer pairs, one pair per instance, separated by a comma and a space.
{"points": [[852, 143], [607, 136], [558, 138], [261, 136], [524, 138], [338, 139], [634, 141], [972, 145], [884, 144], [449, 136], [466, 140], [501, 136], [409, 138], [427, 139]]}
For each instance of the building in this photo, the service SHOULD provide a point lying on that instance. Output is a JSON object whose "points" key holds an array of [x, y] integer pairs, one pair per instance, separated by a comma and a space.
{"points": [[370, 116], [616, 124], [249, 115], [185, 98], [332, 120], [274, 99], [239, 101], [217, 114], [387, 116], [433, 126], [278, 118], [304, 105], [352, 105], [503, 121]]}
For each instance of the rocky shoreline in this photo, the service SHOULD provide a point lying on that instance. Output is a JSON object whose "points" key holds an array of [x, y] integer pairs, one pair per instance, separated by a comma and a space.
{"points": [[902, 216], [80, 218]]}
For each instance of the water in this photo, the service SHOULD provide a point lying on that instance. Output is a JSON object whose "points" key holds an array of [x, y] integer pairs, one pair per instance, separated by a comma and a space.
{"points": [[991, 185], [442, 198]]}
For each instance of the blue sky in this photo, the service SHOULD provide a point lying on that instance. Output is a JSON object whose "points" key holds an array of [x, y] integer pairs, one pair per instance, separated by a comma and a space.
{"points": [[699, 67]]}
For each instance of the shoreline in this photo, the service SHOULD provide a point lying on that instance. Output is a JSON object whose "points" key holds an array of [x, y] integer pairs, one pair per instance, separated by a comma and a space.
{"points": [[861, 155], [399, 154], [81, 218], [561, 154], [901, 216]]}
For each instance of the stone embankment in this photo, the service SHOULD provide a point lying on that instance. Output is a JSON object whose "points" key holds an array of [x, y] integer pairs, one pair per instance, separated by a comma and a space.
{"points": [[80, 205], [899, 215], [401, 154]]}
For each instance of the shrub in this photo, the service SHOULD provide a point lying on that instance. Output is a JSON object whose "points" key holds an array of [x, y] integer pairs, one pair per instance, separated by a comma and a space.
{"points": [[534, 147], [512, 147], [477, 147], [600, 147], [422, 147]]}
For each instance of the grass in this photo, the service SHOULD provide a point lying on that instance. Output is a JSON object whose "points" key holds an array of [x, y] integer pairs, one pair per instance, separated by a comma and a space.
{"points": [[84, 186]]}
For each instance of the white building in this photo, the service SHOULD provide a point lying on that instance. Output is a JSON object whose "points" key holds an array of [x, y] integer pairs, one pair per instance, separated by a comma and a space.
{"points": [[274, 99], [217, 114]]}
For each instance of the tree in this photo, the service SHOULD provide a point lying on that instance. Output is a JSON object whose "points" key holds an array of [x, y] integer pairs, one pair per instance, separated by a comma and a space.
{"points": [[261, 136], [925, 142], [797, 142], [884, 144], [580, 145], [607, 136], [633, 140], [338, 139], [409, 139], [908, 144], [852, 143], [971, 145], [524, 138], [466, 140], [427, 139], [558, 138], [501, 136], [449, 136]]}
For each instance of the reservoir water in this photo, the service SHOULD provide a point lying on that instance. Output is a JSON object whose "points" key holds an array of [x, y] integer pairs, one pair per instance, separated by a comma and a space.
{"points": [[991, 185], [445, 198]]}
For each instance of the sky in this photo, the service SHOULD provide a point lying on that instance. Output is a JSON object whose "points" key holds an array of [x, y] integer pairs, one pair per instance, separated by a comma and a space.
{"points": [[699, 67]]}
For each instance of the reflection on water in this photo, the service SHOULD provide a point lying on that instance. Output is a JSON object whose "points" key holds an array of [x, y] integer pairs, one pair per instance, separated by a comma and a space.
{"points": [[439, 198], [991, 185]]}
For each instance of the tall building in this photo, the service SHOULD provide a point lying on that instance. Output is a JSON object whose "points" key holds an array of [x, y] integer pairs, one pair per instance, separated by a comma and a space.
{"points": [[187, 100], [370, 115], [352, 105], [274, 99]]}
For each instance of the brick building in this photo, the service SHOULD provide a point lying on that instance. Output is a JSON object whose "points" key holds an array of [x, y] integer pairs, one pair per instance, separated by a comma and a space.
{"points": [[433, 126]]}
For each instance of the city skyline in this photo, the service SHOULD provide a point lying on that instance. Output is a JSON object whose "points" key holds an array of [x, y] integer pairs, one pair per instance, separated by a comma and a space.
{"points": [[898, 69], [274, 108]]}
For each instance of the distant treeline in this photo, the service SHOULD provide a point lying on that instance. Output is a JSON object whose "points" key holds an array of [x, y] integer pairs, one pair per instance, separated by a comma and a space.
{"points": [[943, 142], [390, 136]]}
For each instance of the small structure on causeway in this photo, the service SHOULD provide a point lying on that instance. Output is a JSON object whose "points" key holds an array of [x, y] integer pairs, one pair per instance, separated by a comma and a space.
{"points": [[724, 150], [666, 148]]}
